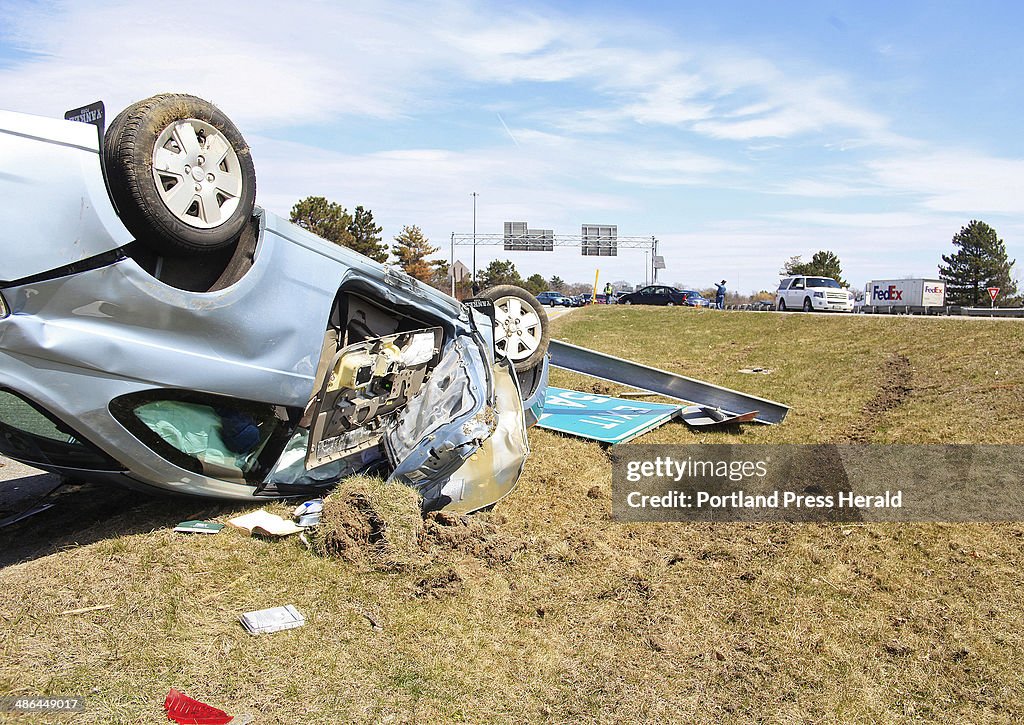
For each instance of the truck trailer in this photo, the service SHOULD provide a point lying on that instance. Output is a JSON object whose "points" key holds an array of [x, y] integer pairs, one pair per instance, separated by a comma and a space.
{"points": [[905, 293]]}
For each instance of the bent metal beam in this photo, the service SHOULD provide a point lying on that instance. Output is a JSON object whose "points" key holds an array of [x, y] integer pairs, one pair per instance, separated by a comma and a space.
{"points": [[662, 382]]}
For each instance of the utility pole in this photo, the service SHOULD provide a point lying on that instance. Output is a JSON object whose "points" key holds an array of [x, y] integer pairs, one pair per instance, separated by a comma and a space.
{"points": [[654, 256], [475, 195]]}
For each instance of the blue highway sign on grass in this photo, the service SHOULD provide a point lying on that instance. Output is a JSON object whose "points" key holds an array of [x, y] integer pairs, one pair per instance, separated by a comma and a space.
{"points": [[601, 418]]}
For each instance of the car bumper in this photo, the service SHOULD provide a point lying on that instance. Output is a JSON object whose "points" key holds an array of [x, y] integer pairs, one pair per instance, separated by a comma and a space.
{"points": [[831, 306]]}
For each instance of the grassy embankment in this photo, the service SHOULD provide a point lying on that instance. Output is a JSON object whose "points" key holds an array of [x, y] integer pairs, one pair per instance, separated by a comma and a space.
{"points": [[545, 609]]}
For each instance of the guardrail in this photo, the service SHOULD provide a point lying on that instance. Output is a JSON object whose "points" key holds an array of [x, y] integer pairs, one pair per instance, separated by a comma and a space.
{"points": [[943, 310], [940, 310]]}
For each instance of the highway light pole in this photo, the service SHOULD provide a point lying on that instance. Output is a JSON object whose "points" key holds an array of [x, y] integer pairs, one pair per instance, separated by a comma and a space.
{"points": [[474, 195]]}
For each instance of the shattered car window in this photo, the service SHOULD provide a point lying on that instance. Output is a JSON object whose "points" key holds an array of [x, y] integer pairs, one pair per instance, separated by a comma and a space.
{"points": [[226, 441]]}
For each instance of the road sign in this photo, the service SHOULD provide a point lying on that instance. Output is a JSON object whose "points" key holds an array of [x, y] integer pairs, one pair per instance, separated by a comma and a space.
{"points": [[993, 292], [599, 240], [600, 418], [518, 238]]}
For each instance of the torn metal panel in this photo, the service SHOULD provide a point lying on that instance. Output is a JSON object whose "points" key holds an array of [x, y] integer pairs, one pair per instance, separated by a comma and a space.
{"points": [[700, 416], [617, 370], [490, 473], [445, 423]]}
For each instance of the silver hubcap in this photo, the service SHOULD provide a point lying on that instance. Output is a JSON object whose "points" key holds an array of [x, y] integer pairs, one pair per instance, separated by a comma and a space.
{"points": [[517, 329], [197, 173]]}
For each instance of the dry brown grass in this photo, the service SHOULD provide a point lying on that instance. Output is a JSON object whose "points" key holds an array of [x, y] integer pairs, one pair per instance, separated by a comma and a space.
{"points": [[546, 610]]}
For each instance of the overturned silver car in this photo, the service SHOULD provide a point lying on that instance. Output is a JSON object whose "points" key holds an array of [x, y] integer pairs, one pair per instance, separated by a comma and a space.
{"points": [[159, 329]]}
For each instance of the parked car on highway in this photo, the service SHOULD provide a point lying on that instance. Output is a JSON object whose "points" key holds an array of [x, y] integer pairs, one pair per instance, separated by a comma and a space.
{"points": [[654, 295], [159, 329], [813, 293], [695, 299], [554, 299]]}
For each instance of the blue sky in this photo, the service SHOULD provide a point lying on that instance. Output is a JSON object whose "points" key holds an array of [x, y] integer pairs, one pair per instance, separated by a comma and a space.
{"points": [[739, 134]]}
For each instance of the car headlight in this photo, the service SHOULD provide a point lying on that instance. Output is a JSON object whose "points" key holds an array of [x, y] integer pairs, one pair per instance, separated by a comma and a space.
{"points": [[3, 307], [819, 294]]}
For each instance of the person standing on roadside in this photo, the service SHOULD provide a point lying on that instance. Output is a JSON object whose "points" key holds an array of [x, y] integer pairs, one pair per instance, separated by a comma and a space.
{"points": [[720, 295]]}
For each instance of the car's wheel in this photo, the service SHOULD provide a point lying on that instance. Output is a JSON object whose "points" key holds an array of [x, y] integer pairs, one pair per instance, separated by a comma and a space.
{"points": [[808, 307], [520, 326], [180, 174], [626, 302], [671, 303], [782, 305]]}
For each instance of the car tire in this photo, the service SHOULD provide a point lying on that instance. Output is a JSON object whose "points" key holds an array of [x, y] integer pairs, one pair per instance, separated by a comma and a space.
{"points": [[782, 305], [180, 174], [808, 307], [626, 302], [671, 304], [521, 332]]}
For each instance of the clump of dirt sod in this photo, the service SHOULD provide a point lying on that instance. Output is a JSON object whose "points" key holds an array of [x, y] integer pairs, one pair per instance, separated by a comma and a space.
{"points": [[478, 536], [370, 522], [367, 521]]}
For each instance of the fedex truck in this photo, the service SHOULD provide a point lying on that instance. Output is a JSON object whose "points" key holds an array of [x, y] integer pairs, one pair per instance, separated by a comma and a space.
{"points": [[901, 292]]}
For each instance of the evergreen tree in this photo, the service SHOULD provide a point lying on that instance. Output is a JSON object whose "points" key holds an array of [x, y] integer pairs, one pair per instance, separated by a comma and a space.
{"points": [[324, 218], [535, 283], [979, 262], [366, 238], [411, 249], [822, 264], [440, 276], [500, 272], [557, 283]]}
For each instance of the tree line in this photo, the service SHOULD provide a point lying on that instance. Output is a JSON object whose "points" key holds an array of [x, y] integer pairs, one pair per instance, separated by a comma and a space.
{"points": [[979, 259], [411, 249]]}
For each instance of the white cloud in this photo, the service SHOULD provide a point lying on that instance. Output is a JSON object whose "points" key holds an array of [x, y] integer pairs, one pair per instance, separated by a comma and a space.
{"points": [[956, 181], [430, 187], [319, 61]]}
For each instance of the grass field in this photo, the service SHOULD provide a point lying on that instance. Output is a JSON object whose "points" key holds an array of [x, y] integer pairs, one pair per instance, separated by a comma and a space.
{"points": [[545, 610]]}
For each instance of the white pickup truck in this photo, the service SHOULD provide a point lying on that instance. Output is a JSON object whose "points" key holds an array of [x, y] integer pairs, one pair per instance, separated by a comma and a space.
{"points": [[813, 293]]}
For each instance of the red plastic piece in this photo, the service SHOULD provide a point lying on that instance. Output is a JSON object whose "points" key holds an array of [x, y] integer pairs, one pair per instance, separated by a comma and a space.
{"points": [[183, 709]]}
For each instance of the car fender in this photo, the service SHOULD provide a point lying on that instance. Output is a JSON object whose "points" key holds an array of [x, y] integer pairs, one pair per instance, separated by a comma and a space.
{"points": [[56, 209]]}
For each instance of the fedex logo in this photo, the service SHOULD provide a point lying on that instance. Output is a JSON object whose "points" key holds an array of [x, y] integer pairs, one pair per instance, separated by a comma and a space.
{"points": [[889, 293], [936, 290]]}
